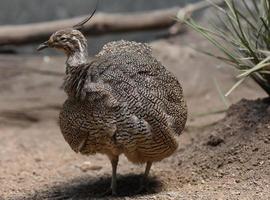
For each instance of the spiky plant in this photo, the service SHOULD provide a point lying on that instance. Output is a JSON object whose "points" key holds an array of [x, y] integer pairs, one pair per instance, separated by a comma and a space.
{"points": [[243, 35]]}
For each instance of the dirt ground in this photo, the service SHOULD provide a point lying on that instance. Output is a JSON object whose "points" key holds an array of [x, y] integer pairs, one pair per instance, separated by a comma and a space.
{"points": [[221, 155]]}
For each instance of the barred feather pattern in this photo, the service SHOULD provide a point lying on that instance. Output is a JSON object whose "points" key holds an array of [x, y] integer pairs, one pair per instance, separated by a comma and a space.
{"points": [[123, 101]]}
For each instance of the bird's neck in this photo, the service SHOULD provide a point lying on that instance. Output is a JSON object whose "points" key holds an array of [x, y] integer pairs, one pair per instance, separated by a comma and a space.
{"points": [[77, 59], [75, 65]]}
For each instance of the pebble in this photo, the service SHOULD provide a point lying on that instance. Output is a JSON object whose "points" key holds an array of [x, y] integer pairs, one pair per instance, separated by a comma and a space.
{"points": [[237, 181], [46, 59], [87, 166], [38, 159]]}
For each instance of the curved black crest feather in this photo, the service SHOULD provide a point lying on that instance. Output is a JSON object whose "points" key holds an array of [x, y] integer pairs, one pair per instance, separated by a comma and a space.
{"points": [[80, 24]]}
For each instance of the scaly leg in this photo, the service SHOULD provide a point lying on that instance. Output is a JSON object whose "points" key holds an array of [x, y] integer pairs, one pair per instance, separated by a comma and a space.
{"points": [[144, 182], [114, 163], [147, 170], [113, 187]]}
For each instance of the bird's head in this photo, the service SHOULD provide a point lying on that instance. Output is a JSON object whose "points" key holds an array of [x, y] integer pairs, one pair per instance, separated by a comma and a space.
{"points": [[68, 40]]}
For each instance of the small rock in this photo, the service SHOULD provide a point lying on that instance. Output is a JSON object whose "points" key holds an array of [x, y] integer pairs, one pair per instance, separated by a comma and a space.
{"points": [[86, 166], [214, 140], [180, 162], [38, 159], [237, 181], [46, 59], [255, 164], [261, 162], [96, 167]]}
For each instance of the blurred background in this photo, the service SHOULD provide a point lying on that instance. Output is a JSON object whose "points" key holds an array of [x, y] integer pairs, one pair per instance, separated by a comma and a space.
{"points": [[31, 11]]}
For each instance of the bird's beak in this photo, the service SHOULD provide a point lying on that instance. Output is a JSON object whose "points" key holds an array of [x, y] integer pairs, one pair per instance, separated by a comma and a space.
{"points": [[42, 46]]}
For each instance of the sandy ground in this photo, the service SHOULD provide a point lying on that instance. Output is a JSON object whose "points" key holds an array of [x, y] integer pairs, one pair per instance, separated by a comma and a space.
{"points": [[221, 156]]}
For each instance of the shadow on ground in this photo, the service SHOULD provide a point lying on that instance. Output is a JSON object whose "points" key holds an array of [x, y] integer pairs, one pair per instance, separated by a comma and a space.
{"points": [[88, 188]]}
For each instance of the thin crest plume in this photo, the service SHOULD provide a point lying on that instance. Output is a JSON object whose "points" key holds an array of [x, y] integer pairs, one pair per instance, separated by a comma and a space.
{"points": [[80, 24]]}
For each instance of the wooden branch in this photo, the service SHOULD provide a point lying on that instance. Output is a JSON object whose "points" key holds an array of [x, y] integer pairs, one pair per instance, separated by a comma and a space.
{"points": [[188, 10], [100, 24]]}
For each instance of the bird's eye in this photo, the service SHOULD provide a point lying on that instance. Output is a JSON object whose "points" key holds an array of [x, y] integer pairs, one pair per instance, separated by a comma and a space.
{"points": [[63, 39]]}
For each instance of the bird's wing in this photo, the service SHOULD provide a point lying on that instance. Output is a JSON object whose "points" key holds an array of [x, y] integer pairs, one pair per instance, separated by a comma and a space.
{"points": [[127, 74]]}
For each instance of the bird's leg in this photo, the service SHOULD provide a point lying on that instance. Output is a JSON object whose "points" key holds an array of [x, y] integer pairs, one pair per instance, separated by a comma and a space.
{"points": [[147, 170], [144, 181], [113, 187], [114, 163]]}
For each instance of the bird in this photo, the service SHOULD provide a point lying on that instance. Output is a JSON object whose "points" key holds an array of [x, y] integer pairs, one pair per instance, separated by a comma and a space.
{"points": [[120, 101]]}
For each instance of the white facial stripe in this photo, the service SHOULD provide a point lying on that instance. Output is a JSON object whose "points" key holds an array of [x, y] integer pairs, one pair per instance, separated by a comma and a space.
{"points": [[80, 45]]}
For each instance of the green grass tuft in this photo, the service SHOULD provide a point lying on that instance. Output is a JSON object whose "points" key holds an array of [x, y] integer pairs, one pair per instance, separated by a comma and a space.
{"points": [[244, 38]]}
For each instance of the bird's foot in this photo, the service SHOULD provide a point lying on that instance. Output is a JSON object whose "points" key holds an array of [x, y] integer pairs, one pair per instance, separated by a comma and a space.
{"points": [[108, 192]]}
